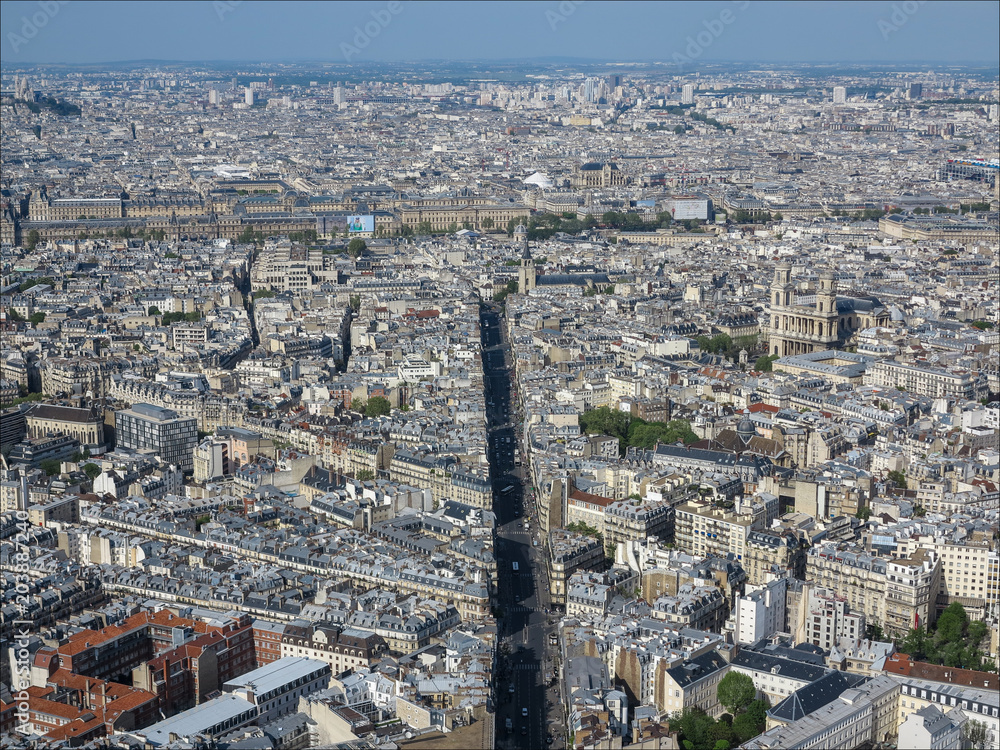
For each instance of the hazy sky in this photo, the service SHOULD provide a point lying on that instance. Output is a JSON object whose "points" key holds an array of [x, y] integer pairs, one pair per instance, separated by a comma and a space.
{"points": [[745, 30]]}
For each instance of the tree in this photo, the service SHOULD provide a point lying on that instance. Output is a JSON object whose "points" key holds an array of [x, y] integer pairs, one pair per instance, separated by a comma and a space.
{"points": [[92, 471], [763, 364], [153, 310], [51, 467], [736, 691], [694, 726], [356, 247], [898, 478], [355, 302], [976, 734], [488, 223], [377, 406], [36, 318], [365, 475], [358, 404], [750, 723], [31, 242], [864, 513], [952, 624]]}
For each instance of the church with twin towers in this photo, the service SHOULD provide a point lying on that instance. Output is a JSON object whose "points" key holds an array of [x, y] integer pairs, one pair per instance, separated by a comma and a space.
{"points": [[805, 323]]}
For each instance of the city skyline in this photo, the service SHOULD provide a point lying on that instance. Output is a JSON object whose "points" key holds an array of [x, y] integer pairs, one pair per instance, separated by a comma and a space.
{"points": [[589, 385], [86, 33]]}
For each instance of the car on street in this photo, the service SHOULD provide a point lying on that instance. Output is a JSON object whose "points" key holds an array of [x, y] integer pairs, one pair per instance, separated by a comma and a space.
{"points": [[524, 712]]}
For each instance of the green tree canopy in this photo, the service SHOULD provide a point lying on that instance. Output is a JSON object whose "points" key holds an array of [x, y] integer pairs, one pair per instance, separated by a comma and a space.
{"points": [[736, 691], [750, 723], [356, 246], [634, 431], [51, 467], [377, 406]]}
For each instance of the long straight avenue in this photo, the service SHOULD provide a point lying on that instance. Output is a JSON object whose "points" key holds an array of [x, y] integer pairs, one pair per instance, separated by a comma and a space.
{"points": [[528, 709]]}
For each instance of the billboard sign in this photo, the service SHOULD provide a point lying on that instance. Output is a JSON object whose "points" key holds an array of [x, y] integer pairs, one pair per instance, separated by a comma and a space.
{"points": [[362, 223]]}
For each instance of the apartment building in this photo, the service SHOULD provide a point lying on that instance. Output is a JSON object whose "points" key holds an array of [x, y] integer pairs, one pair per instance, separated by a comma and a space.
{"points": [[929, 728], [587, 508], [827, 620], [923, 685], [772, 553], [568, 553], [705, 530], [859, 717], [267, 638], [970, 573], [760, 612], [693, 684], [342, 649], [694, 606], [637, 520], [444, 476], [285, 267], [926, 380], [170, 436], [275, 688], [221, 715], [899, 594]]}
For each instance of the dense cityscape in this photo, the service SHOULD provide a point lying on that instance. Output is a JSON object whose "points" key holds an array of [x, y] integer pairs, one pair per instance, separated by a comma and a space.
{"points": [[500, 405]]}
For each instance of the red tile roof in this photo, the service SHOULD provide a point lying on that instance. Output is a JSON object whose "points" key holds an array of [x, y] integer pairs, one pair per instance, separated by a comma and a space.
{"points": [[902, 664]]}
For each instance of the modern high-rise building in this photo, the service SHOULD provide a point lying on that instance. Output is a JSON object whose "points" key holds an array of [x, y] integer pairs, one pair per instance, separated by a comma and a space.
{"points": [[839, 95], [146, 427], [248, 96], [687, 94], [915, 91], [213, 96]]}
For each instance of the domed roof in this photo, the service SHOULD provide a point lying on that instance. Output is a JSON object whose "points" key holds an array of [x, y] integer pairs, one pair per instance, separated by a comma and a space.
{"points": [[745, 429], [520, 229]]}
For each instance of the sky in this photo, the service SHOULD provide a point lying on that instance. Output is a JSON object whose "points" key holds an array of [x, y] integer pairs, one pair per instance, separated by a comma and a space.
{"points": [[901, 31]]}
